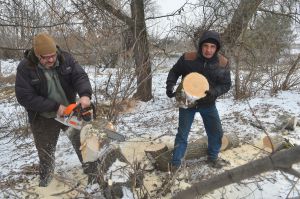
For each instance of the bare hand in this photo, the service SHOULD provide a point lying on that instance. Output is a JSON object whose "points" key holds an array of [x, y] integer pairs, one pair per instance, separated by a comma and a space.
{"points": [[85, 102], [60, 111]]}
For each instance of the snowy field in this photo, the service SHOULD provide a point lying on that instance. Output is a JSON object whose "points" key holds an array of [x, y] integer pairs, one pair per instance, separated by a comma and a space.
{"points": [[155, 121]]}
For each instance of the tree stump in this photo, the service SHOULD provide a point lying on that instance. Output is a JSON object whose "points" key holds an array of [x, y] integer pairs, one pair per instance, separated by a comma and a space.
{"points": [[98, 156], [163, 161], [154, 150]]}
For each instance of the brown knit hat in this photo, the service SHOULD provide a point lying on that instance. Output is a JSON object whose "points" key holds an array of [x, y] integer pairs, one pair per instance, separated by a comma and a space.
{"points": [[43, 44]]}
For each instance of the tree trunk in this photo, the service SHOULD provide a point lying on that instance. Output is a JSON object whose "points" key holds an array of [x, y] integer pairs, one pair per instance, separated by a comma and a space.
{"points": [[282, 160], [240, 20], [137, 26], [141, 52], [288, 76]]}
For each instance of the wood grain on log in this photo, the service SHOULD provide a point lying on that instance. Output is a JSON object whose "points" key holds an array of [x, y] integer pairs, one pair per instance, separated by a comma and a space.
{"points": [[273, 142]]}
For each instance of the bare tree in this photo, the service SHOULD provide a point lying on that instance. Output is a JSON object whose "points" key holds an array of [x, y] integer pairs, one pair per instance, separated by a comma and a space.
{"points": [[137, 26]]}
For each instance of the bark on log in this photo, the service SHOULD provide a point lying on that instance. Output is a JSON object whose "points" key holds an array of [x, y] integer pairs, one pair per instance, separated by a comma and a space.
{"points": [[229, 141], [163, 161], [291, 124], [282, 160], [195, 150]]}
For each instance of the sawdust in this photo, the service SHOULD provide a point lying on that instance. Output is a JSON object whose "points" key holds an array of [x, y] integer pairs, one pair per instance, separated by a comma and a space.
{"points": [[59, 188], [134, 149], [244, 153]]}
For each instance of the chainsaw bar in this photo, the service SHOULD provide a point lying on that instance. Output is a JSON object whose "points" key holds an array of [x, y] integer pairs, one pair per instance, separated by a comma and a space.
{"points": [[112, 135]]}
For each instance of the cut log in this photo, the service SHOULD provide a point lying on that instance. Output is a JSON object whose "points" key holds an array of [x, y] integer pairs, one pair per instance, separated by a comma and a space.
{"points": [[195, 150], [192, 88], [195, 85], [287, 122], [273, 142], [291, 124], [229, 141]]}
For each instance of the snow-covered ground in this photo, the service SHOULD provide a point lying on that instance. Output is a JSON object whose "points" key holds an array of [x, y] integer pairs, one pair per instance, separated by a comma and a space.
{"points": [[155, 121]]}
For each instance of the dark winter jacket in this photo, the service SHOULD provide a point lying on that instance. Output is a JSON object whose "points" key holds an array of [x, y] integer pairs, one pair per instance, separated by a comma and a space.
{"points": [[215, 69], [31, 85]]}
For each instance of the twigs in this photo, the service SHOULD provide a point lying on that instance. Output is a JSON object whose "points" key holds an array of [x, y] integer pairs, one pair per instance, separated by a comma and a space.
{"points": [[260, 125]]}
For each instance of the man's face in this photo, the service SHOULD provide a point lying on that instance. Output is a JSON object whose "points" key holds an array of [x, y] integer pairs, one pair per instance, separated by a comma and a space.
{"points": [[208, 50], [48, 60]]}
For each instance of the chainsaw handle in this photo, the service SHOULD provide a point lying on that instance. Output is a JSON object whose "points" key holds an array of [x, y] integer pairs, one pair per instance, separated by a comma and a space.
{"points": [[68, 110], [84, 111]]}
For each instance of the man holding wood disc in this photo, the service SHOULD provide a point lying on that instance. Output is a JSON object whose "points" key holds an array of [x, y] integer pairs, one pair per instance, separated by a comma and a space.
{"points": [[200, 95]]}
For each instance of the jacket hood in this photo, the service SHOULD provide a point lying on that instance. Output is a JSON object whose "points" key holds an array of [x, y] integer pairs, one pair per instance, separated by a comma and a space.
{"points": [[210, 35]]}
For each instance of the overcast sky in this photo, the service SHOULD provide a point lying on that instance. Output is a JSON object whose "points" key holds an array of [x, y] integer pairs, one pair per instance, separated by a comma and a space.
{"points": [[169, 6]]}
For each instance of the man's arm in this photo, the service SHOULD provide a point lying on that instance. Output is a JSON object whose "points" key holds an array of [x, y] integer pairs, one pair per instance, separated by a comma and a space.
{"points": [[172, 78], [27, 96]]}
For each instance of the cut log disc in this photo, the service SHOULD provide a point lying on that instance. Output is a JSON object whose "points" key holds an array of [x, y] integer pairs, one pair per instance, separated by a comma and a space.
{"points": [[273, 142], [229, 141], [195, 85]]}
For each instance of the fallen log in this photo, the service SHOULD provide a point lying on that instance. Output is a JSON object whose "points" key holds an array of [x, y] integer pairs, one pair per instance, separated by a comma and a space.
{"points": [[161, 156], [282, 160]]}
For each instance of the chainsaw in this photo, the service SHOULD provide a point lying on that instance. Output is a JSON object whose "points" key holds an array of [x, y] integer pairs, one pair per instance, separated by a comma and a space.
{"points": [[76, 117]]}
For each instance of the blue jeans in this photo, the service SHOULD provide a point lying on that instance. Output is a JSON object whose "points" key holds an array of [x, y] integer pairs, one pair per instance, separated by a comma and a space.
{"points": [[213, 128]]}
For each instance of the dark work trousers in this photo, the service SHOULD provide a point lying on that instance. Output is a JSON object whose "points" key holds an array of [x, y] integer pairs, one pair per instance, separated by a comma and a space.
{"points": [[213, 128], [45, 133]]}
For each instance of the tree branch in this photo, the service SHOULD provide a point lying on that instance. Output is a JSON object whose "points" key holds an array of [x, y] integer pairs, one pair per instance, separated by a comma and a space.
{"points": [[282, 160], [115, 12], [177, 12]]}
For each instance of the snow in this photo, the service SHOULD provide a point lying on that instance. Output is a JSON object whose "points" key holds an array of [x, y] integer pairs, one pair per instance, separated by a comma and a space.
{"points": [[151, 122]]}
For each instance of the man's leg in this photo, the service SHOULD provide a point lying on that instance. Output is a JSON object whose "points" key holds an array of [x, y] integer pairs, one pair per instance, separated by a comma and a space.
{"points": [[213, 128], [186, 118], [45, 133]]}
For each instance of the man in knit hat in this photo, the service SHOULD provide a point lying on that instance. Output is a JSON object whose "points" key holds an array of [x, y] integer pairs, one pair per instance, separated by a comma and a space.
{"points": [[209, 63], [47, 80]]}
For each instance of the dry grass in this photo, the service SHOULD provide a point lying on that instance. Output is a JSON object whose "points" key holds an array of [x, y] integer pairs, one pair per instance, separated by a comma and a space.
{"points": [[8, 79]]}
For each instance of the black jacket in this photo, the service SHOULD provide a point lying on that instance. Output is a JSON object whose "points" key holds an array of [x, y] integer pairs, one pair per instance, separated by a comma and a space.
{"points": [[31, 85], [215, 69]]}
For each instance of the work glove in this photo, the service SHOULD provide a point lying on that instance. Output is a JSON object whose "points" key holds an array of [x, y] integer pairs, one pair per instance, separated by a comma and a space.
{"points": [[210, 96], [170, 92]]}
